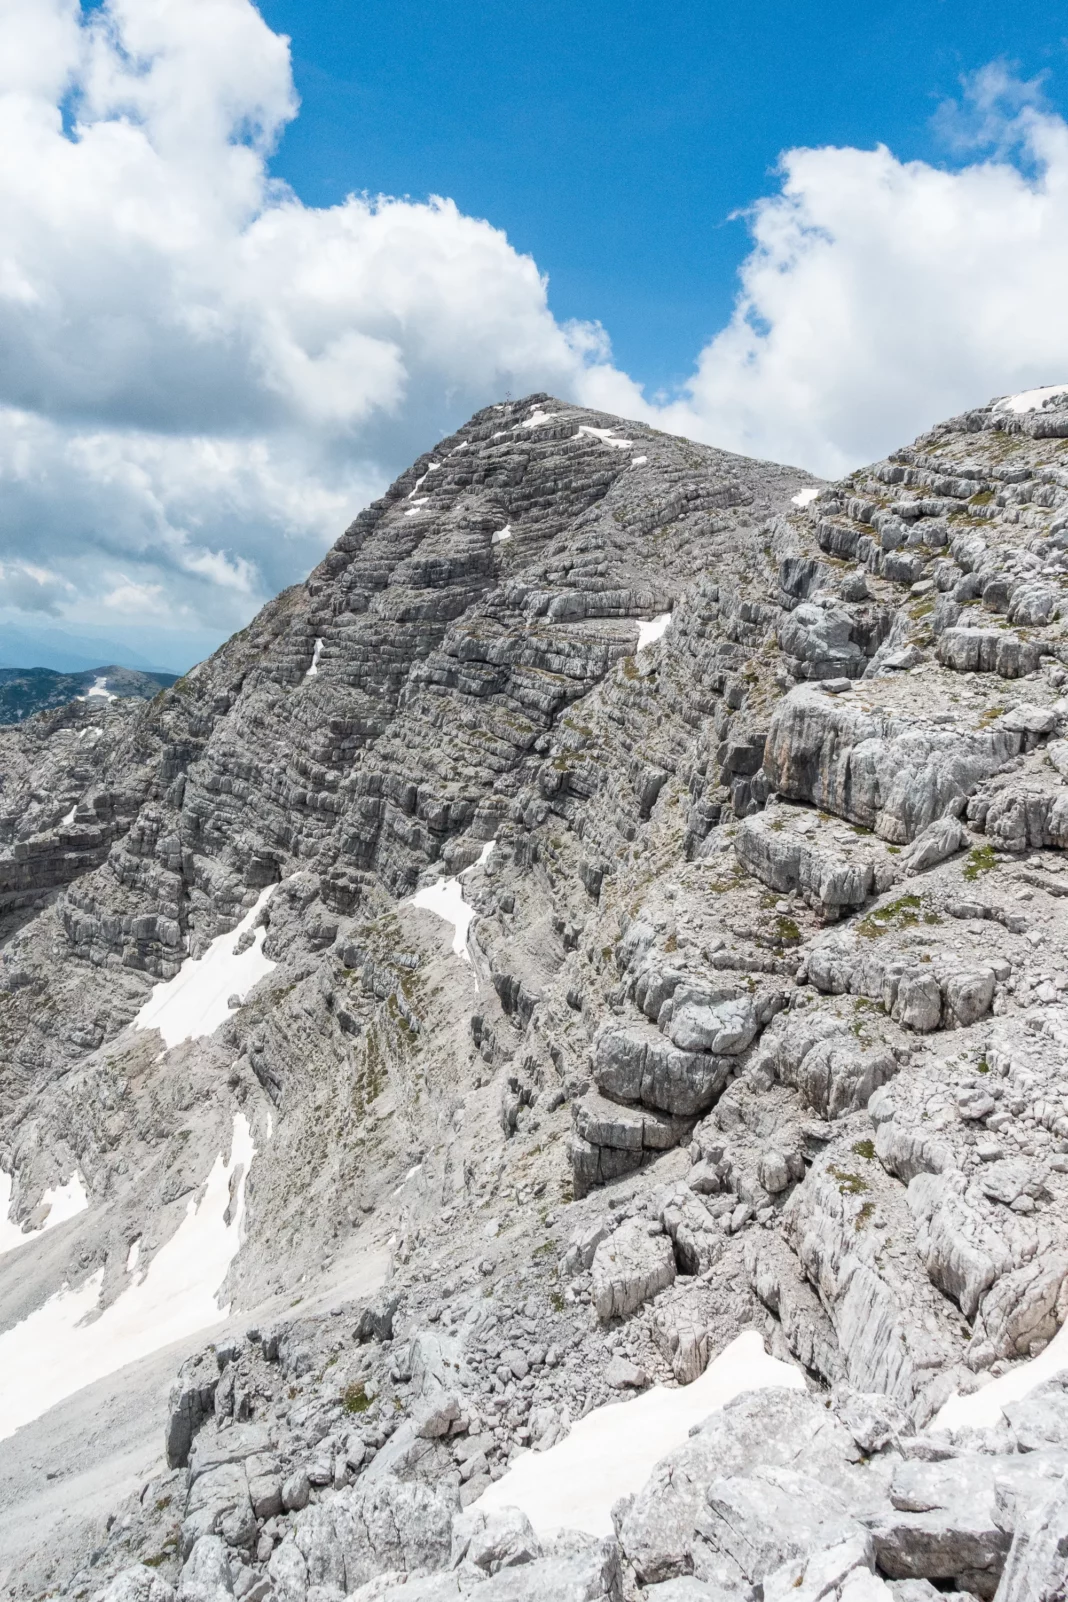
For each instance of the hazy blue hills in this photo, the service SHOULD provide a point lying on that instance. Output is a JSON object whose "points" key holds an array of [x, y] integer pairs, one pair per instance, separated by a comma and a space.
{"points": [[24, 691]]}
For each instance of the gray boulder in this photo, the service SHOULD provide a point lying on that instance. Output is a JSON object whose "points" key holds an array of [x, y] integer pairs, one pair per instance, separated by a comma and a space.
{"points": [[661, 1530], [487, 1542], [843, 1570], [1040, 1420], [953, 1519], [887, 772], [385, 1523], [206, 1574], [1037, 1565], [934, 844], [138, 1583], [634, 1062], [629, 1268], [219, 1504], [576, 1569], [755, 1523]]}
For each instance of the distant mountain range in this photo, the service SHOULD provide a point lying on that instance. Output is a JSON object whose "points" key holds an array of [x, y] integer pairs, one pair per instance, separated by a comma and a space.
{"points": [[24, 691]]}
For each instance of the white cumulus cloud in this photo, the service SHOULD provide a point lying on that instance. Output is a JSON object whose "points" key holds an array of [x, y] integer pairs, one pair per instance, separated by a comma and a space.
{"points": [[204, 378], [883, 295]]}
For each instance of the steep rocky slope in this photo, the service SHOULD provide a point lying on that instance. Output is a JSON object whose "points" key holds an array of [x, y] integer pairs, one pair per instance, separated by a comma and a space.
{"points": [[743, 800]]}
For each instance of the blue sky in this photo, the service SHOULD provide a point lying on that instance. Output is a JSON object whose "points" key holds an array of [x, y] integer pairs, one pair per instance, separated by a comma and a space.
{"points": [[231, 310], [615, 142]]}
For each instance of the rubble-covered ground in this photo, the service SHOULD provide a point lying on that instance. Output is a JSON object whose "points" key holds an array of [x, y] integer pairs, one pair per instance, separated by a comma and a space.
{"points": [[609, 929]]}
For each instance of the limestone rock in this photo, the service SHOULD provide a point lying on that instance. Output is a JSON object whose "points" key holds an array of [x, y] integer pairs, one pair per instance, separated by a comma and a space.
{"points": [[136, 1584], [629, 1267], [1037, 1565]]}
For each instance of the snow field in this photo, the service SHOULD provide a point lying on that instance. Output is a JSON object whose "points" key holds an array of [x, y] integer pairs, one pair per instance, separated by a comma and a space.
{"points": [[1030, 400], [60, 1347], [607, 436], [196, 1001], [99, 689], [983, 1407], [613, 1450], [66, 1201]]}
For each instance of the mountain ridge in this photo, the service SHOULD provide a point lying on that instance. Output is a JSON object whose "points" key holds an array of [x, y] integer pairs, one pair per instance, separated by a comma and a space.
{"points": [[635, 849], [27, 691]]}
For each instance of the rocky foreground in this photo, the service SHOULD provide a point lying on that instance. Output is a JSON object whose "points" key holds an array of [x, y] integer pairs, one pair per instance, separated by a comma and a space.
{"points": [[759, 1025]]}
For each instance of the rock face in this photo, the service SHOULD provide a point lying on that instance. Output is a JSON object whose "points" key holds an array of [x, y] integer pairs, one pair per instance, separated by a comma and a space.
{"points": [[652, 916]]}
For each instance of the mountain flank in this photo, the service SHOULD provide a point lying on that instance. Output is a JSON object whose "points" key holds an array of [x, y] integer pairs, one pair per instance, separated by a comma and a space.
{"points": [[601, 937], [26, 691]]}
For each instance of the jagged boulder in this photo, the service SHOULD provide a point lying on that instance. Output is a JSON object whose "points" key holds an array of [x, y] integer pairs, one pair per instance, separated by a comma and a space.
{"points": [[662, 1533], [634, 1062], [630, 1267]]}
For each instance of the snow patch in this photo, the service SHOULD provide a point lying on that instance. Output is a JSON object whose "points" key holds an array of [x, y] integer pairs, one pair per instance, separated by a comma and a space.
{"points": [[463, 445], [502, 536], [445, 898], [413, 511], [655, 629], [68, 818], [132, 1255], [421, 480], [316, 654], [607, 436], [195, 1001], [613, 1450], [53, 1352], [66, 1201], [983, 1407], [638, 461], [1030, 400], [537, 418], [413, 1173], [100, 689], [805, 497]]}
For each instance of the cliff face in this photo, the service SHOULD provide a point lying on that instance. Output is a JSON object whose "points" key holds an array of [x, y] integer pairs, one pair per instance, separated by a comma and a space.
{"points": [[647, 863]]}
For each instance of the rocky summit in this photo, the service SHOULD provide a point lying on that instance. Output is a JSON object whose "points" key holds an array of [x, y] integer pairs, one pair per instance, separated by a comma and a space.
{"points": [[538, 1071]]}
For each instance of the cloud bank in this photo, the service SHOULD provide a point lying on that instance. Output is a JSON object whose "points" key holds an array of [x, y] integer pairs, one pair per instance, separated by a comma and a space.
{"points": [[203, 378], [881, 296]]}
